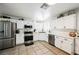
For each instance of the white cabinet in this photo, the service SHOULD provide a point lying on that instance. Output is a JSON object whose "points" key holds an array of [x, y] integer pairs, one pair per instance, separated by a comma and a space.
{"points": [[77, 45], [66, 22], [58, 41], [43, 36], [35, 37], [59, 23], [40, 36], [20, 25], [20, 37], [65, 44], [70, 21]]}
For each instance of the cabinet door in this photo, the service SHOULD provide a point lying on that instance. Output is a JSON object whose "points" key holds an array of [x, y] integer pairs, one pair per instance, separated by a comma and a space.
{"points": [[58, 42], [70, 21], [35, 36], [60, 23], [20, 25], [67, 45], [1, 44], [43, 36], [77, 45], [20, 37]]}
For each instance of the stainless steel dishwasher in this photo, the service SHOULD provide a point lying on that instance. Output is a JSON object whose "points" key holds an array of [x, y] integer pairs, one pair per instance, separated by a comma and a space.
{"points": [[51, 39]]}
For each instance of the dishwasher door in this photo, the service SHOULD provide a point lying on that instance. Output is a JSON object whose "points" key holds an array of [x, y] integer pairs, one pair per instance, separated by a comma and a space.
{"points": [[51, 39]]}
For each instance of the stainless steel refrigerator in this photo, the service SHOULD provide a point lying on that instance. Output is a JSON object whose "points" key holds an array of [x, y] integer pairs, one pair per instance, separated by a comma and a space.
{"points": [[7, 34]]}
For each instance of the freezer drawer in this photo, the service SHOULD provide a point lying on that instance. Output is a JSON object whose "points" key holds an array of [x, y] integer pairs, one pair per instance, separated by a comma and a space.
{"points": [[7, 43], [1, 44]]}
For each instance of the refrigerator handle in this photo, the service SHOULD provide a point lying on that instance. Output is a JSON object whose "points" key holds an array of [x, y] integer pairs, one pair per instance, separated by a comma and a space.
{"points": [[4, 30]]}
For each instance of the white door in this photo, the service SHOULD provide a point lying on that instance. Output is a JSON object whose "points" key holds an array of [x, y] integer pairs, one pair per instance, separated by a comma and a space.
{"points": [[43, 36], [58, 41], [69, 21], [77, 45], [67, 45], [35, 36]]}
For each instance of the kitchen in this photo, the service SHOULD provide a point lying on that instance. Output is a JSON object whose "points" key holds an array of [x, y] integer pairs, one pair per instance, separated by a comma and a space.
{"points": [[40, 29]]}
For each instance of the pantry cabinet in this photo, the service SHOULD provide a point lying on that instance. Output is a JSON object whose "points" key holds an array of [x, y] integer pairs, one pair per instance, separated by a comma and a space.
{"points": [[65, 44]]}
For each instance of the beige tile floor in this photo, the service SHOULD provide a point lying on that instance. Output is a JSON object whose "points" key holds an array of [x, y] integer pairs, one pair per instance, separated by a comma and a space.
{"points": [[38, 48]]}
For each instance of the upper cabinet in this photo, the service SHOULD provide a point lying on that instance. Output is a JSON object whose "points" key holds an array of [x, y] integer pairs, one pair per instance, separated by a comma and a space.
{"points": [[59, 23], [69, 21], [20, 25], [66, 22]]}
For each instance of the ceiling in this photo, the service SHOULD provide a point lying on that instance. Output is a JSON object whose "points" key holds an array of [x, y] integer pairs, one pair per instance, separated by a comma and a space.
{"points": [[33, 10]]}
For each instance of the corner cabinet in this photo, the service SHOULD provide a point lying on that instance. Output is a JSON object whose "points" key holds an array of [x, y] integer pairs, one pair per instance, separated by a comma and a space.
{"points": [[65, 44], [40, 36]]}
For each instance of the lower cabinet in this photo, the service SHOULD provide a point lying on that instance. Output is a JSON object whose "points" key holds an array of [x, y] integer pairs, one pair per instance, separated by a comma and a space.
{"points": [[64, 44], [68, 46], [43, 37], [40, 36], [35, 37], [58, 41], [77, 46]]}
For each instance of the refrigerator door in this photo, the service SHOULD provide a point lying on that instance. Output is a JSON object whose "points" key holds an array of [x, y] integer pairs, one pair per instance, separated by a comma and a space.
{"points": [[1, 44], [7, 28], [1, 29]]}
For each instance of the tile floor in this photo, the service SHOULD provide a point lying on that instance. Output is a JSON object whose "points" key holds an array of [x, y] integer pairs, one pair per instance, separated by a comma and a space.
{"points": [[38, 48]]}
